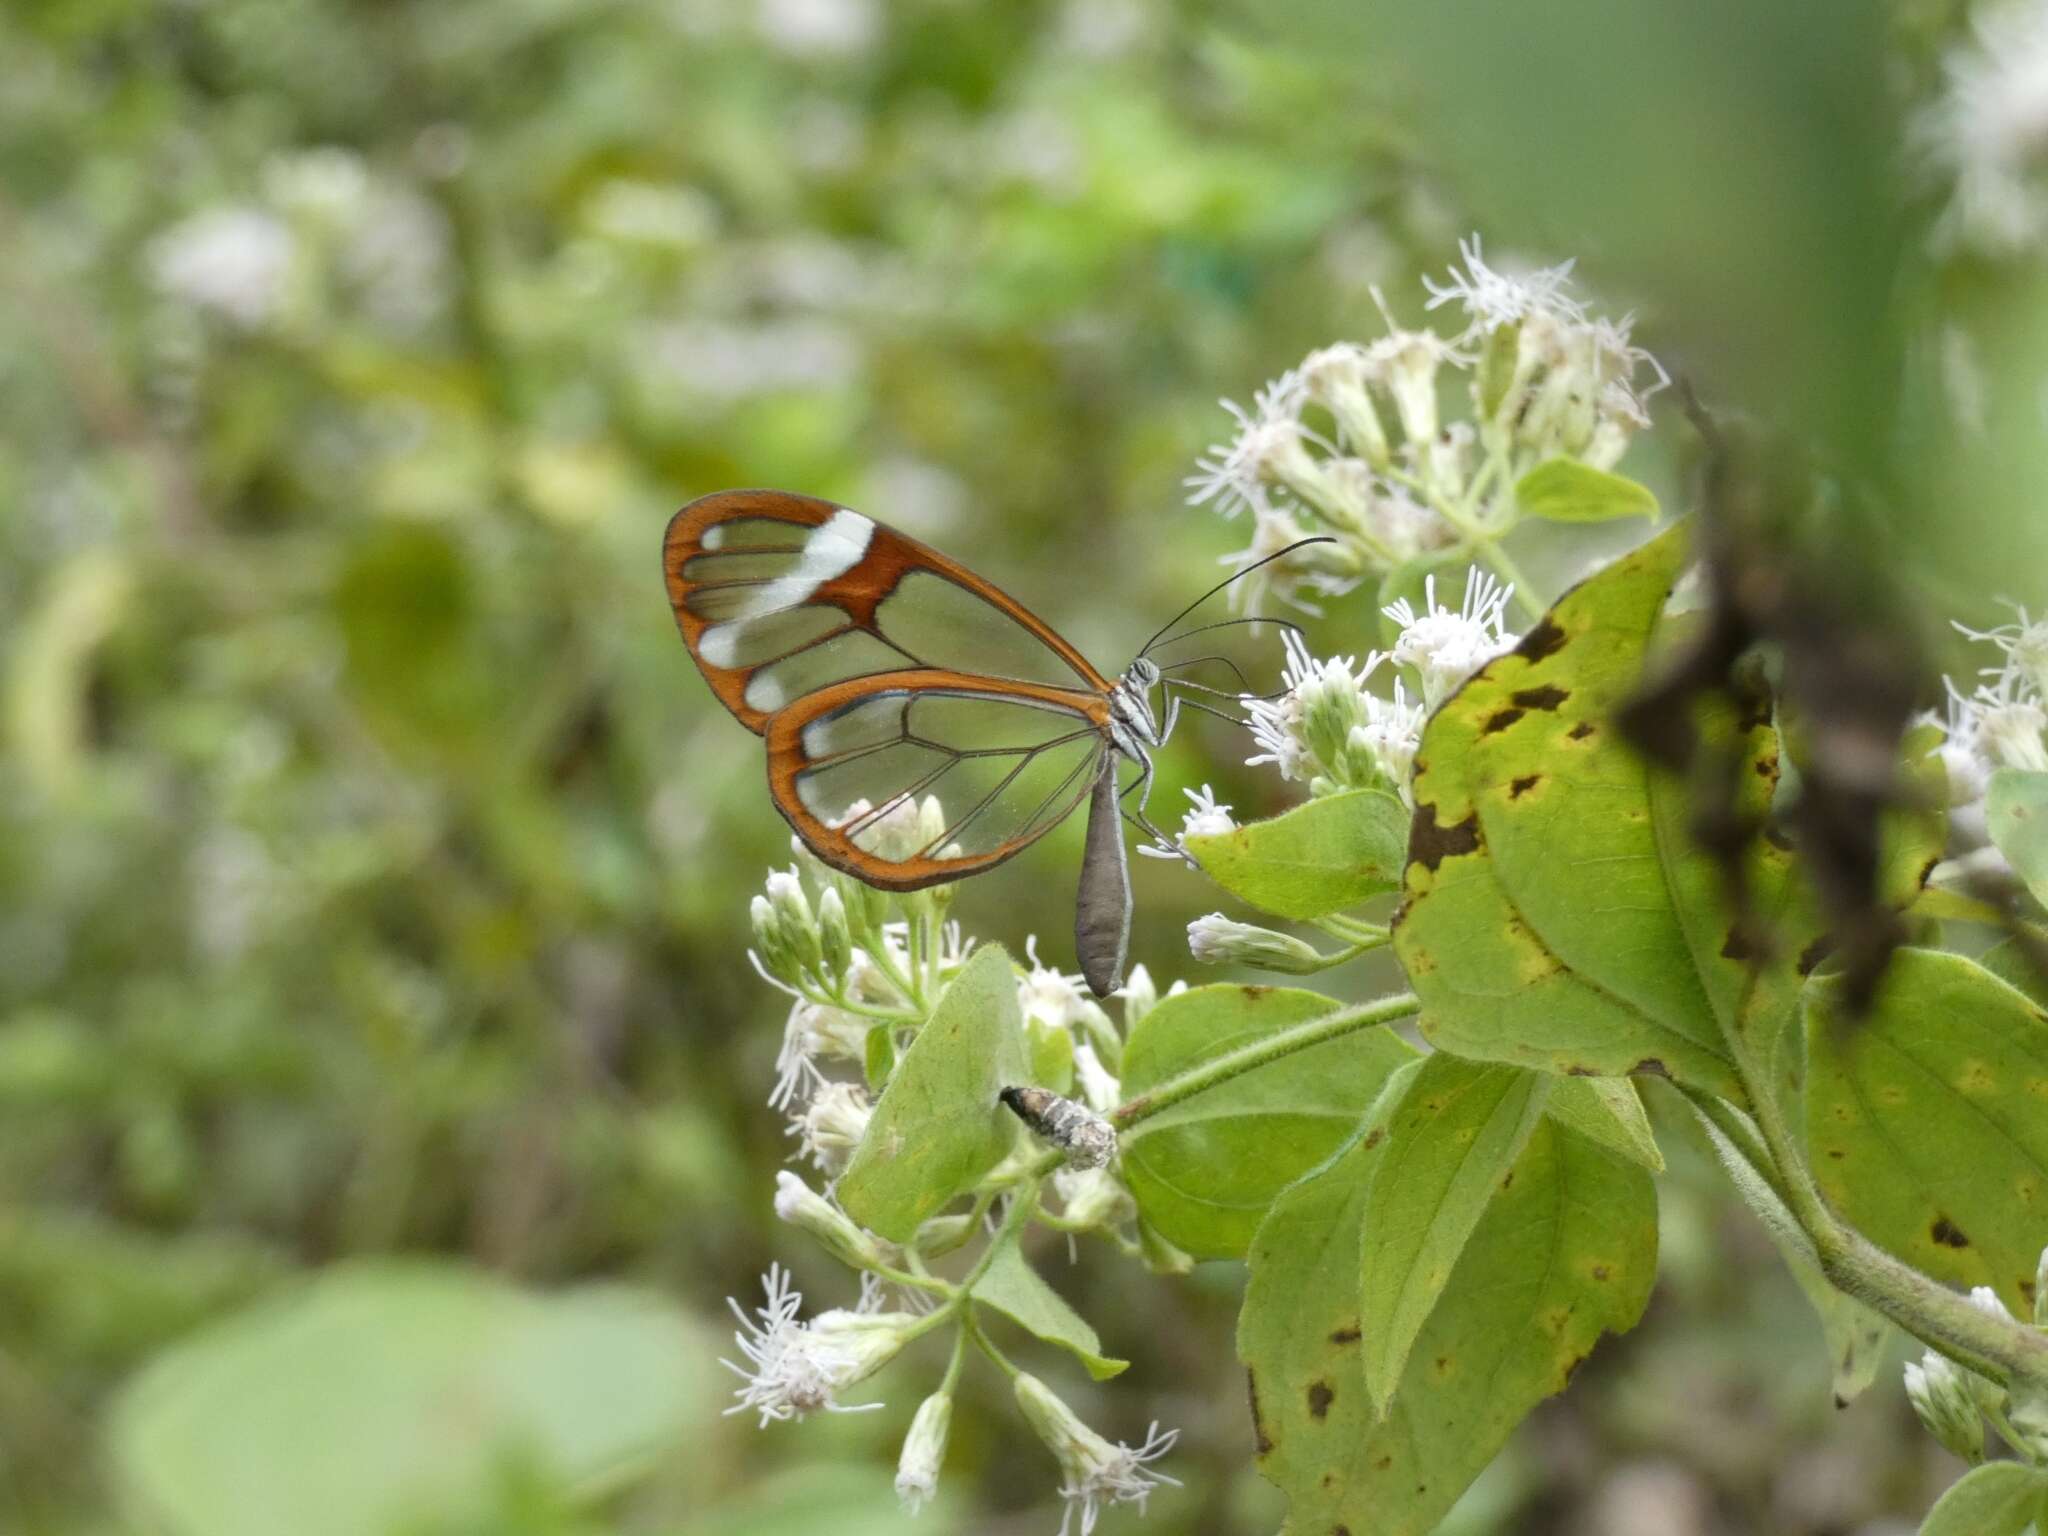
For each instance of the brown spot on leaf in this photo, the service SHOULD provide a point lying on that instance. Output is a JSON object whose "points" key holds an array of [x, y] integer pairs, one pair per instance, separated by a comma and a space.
{"points": [[1500, 720], [1650, 1066], [1549, 696], [1580, 731], [1600, 1271], [1430, 844], [1383, 1464], [1523, 785], [1507, 1179], [1320, 1396], [1766, 767], [1375, 1136], [1546, 639], [1947, 1233], [1345, 1335]]}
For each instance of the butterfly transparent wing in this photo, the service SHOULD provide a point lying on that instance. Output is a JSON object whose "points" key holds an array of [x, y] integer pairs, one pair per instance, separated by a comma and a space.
{"points": [[929, 776], [780, 595]]}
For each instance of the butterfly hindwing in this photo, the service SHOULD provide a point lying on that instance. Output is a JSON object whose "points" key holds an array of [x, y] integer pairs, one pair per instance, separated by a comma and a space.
{"points": [[852, 765]]}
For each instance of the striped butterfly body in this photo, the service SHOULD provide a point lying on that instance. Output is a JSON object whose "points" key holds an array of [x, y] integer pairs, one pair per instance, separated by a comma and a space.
{"points": [[921, 724]]}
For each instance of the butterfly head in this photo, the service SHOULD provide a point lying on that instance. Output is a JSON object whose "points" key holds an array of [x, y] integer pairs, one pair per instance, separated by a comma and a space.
{"points": [[1133, 724]]}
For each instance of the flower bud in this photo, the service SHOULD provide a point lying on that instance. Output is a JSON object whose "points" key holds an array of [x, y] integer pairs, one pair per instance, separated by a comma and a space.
{"points": [[804, 1208], [1162, 1256], [1218, 940], [1337, 378], [1942, 1399], [793, 917], [832, 1126], [1095, 1084], [942, 1234], [835, 934], [924, 1449], [769, 944], [1140, 995]]}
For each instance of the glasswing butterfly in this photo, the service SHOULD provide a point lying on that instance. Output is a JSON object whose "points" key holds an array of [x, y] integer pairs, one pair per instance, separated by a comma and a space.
{"points": [[878, 670]]}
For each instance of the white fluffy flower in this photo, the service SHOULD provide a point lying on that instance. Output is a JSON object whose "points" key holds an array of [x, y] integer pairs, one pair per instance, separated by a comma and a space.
{"points": [[234, 261], [1052, 997], [795, 1368], [1094, 1472], [1271, 447], [1446, 645], [814, 1030], [1986, 135], [832, 1125], [1492, 298], [1205, 819], [1391, 736]]}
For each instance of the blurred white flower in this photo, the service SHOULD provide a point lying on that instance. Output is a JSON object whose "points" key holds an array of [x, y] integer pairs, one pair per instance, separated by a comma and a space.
{"points": [[1985, 136], [235, 262], [1053, 998], [1492, 298], [814, 1030], [1093, 1082], [821, 28]]}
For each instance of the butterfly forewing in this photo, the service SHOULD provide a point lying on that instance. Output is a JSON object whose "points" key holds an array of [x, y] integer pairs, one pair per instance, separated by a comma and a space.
{"points": [[854, 765], [779, 596]]}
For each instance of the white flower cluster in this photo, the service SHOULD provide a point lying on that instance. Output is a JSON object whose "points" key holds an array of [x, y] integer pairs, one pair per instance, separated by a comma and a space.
{"points": [[1354, 442], [2000, 723], [854, 960], [1329, 730], [1952, 1403], [1984, 138]]}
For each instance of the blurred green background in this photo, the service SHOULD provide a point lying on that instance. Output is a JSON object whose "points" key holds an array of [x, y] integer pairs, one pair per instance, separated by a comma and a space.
{"points": [[373, 864]]}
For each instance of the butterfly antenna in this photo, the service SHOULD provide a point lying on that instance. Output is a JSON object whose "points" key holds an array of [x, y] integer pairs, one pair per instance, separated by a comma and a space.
{"points": [[1278, 554]]}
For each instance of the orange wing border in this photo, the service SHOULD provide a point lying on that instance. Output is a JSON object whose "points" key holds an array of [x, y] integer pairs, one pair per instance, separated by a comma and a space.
{"points": [[858, 593], [787, 761]]}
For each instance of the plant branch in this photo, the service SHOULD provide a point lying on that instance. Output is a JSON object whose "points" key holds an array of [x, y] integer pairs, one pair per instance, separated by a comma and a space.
{"points": [[1249, 1058]]}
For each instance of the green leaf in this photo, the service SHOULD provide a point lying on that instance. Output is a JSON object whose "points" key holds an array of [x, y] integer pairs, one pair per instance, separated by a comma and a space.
{"points": [[1558, 915], [1018, 1291], [1928, 1119], [939, 1126], [1566, 1252], [1316, 859], [1609, 1111], [2016, 815], [1567, 491], [1205, 1170], [388, 1396], [1460, 1128], [1996, 1499]]}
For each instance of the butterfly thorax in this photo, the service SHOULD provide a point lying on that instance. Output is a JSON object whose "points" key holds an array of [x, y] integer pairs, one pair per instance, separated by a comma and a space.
{"points": [[1132, 725]]}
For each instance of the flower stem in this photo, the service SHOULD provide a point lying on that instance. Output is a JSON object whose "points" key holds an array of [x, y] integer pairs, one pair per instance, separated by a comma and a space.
{"points": [[1999, 1348], [1249, 1058]]}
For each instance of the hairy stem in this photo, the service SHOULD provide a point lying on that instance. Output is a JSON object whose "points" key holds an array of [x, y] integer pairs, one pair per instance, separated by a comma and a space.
{"points": [[1996, 1347], [1249, 1058]]}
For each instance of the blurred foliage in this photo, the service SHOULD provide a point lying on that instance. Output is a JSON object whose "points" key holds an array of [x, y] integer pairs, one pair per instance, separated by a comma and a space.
{"points": [[373, 866]]}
